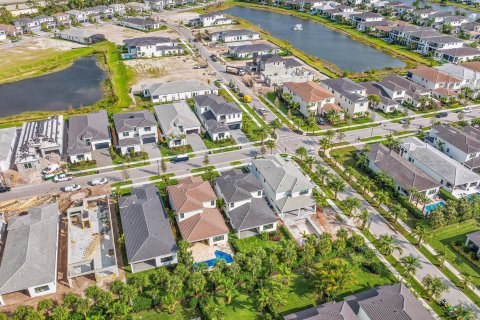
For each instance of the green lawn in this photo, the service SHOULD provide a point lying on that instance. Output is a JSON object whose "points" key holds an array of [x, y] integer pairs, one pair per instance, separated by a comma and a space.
{"points": [[166, 151], [443, 237], [218, 144], [391, 115], [182, 313]]}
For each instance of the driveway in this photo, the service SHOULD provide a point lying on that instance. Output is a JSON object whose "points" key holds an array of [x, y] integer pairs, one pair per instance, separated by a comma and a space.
{"points": [[196, 142], [239, 136], [102, 157], [152, 150]]}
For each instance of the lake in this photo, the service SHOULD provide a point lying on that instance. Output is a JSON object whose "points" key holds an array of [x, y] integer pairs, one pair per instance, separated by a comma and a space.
{"points": [[78, 85], [319, 41]]}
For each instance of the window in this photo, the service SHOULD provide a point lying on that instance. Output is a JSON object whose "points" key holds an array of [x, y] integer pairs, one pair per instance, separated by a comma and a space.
{"points": [[259, 193], [182, 215], [42, 289], [27, 165], [302, 192], [218, 238], [166, 259], [147, 129], [432, 191], [212, 203], [232, 204], [268, 226], [126, 134]]}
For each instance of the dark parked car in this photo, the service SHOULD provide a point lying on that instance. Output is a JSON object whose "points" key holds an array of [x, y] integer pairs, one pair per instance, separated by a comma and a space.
{"points": [[442, 115], [321, 121], [4, 189], [180, 158]]}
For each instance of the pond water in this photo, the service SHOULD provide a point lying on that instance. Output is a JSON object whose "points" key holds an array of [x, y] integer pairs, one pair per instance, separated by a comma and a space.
{"points": [[318, 40], [78, 85]]}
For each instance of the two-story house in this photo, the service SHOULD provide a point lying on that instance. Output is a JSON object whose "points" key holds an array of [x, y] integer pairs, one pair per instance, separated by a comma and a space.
{"points": [[139, 24], [388, 103], [286, 187], [211, 19], [196, 213], [77, 16], [87, 132], [275, 70], [350, 96], [234, 35], [462, 145], [312, 98], [27, 24], [217, 115], [135, 129], [62, 19], [148, 47], [47, 22], [433, 79], [450, 174], [118, 9], [245, 206], [176, 90], [412, 93]]}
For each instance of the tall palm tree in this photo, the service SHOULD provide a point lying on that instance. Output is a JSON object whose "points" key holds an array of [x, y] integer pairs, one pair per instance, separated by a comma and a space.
{"points": [[421, 231], [271, 144], [387, 245], [434, 286], [275, 124], [363, 217], [329, 134], [398, 212], [382, 197], [410, 264], [337, 158], [336, 184], [362, 161], [325, 144], [461, 312], [349, 171], [351, 204], [322, 173], [301, 152], [373, 100], [262, 134]]}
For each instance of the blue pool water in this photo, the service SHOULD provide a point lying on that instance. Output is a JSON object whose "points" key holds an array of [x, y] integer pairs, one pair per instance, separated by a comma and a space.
{"points": [[218, 255], [432, 206]]}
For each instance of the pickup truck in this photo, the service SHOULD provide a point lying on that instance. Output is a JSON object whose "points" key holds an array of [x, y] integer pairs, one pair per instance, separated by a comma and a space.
{"points": [[62, 177]]}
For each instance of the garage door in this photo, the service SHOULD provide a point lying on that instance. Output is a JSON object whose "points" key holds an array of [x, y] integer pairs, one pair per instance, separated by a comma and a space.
{"points": [[192, 131], [103, 145], [234, 126], [148, 140]]}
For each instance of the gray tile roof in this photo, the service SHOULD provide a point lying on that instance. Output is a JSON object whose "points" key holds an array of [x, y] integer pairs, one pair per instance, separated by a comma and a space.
{"points": [[146, 41], [251, 215], [138, 21], [474, 237], [146, 226], [238, 187], [128, 142], [164, 88], [136, 119], [399, 169], [461, 52], [346, 87], [251, 48], [30, 254], [389, 302], [457, 138], [443, 39], [438, 162], [175, 118], [373, 87], [282, 175], [217, 104], [91, 126]]}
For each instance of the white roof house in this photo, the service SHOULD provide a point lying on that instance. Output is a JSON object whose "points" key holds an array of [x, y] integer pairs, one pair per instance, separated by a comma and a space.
{"points": [[29, 259], [7, 143], [177, 90], [451, 175]]}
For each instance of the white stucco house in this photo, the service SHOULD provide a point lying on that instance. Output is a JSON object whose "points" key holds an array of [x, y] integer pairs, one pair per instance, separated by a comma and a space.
{"points": [[176, 90], [135, 129]]}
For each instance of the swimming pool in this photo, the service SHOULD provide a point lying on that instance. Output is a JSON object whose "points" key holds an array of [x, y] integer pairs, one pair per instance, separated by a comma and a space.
{"points": [[218, 255], [432, 206]]}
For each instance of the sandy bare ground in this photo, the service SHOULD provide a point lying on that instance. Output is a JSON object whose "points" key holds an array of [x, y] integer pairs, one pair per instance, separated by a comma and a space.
{"points": [[176, 17], [117, 33], [169, 69]]}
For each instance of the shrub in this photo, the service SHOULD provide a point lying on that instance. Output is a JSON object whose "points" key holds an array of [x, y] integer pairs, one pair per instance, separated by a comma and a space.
{"points": [[465, 252], [264, 236], [141, 303], [276, 235]]}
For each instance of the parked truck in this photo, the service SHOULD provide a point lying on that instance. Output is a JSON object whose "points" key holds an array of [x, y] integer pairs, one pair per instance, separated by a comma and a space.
{"points": [[235, 70]]}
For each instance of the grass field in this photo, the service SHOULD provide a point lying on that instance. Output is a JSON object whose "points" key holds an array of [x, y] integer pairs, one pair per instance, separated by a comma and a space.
{"points": [[443, 237], [183, 312]]}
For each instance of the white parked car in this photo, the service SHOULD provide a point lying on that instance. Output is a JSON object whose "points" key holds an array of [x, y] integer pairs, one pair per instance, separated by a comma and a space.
{"points": [[467, 110], [99, 181], [72, 187], [51, 168], [62, 177]]}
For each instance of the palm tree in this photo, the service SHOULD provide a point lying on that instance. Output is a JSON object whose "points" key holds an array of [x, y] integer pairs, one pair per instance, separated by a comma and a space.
{"points": [[262, 134], [275, 124], [410, 264], [351, 204], [434, 286], [229, 289], [363, 217], [301, 152], [349, 171], [466, 281], [329, 134], [340, 136], [325, 144], [440, 257], [336, 184], [421, 231], [271, 144], [461, 312], [398, 212], [333, 117], [337, 158], [322, 173], [309, 160], [382, 197], [362, 161], [373, 100], [387, 245]]}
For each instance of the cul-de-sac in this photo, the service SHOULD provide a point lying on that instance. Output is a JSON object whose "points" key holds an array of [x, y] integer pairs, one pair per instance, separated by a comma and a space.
{"points": [[239, 159]]}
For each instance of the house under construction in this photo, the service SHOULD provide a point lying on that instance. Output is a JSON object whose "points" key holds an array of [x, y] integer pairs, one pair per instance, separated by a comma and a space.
{"points": [[91, 245]]}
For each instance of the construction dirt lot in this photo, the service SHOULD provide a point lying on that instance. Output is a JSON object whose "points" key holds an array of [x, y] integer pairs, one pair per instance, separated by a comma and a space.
{"points": [[65, 200]]}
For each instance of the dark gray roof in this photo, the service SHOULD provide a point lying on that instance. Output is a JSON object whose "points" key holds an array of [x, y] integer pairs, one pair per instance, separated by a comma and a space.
{"points": [[146, 41], [461, 52], [374, 87], [238, 187], [474, 237], [251, 214], [128, 142], [217, 104], [346, 87], [444, 39], [251, 48], [237, 32], [145, 224], [399, 169], [171, 87], [136, 119], [30, 254], [138, 21], [462, 140], [214, 126], [411, 87], [91, 126], [389, 302]]}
